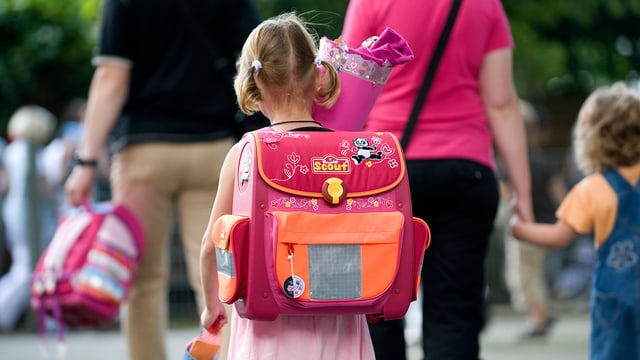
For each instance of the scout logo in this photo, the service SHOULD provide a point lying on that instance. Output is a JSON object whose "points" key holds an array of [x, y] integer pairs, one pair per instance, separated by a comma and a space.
{"points": [[330, 164]]}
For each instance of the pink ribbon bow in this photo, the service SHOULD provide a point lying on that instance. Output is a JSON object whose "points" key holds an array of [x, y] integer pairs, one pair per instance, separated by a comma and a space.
{"points": [[388, 49]]}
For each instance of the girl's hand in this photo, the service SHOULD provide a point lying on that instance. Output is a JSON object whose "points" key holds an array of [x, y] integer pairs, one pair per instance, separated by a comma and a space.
{"points": [[212, 314]]}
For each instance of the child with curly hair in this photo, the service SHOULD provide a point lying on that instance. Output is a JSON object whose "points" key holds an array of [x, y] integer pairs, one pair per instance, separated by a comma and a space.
{"points": [[607, 201]]}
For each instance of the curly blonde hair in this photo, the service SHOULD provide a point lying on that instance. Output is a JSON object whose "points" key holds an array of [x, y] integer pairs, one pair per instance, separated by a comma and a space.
{"points": [[607, 133], [280, 55]]}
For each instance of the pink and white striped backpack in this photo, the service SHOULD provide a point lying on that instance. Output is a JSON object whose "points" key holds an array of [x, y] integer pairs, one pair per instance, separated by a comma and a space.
{"points": [[321, 225], [86, 270]]}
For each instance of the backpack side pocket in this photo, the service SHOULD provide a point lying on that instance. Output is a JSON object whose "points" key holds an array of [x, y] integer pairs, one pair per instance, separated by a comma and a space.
{"points": [[229, 236], [421, 240]]}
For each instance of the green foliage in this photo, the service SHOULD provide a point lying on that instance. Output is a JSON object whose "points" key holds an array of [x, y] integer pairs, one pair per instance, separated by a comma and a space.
{"points": [[562, 47], [45, 57], [326, 16], [565, 47]]}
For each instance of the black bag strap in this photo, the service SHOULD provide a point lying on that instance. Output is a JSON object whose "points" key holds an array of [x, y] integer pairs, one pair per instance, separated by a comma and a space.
{"points": [[430, 74]]}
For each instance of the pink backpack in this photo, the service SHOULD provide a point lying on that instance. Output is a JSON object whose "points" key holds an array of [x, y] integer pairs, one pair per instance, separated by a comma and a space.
{"points": [[86, 270], [321, 225]]}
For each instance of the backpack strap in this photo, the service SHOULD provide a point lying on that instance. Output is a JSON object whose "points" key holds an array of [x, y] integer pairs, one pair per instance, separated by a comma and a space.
{"points": [[61, 348], [62, 242], [615, 179], [53, 271]]}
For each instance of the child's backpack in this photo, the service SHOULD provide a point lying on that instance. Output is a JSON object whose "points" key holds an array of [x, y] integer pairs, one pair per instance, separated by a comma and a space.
{"points": [[86, 270], [321, 225]]}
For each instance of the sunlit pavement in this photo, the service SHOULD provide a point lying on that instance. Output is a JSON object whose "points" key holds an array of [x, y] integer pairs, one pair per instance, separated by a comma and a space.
{"points": [[568, 340]]}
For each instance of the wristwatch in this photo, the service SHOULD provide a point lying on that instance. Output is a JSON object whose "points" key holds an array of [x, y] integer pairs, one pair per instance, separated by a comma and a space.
{"points": [[85, 162]]}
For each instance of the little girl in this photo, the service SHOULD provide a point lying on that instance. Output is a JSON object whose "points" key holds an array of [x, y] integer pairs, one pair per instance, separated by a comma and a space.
{"points": [[607, 201], [279, 75]]}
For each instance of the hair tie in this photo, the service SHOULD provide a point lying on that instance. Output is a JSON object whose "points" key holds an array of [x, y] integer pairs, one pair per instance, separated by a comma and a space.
{"points": [[257, 65], [317, 60]]}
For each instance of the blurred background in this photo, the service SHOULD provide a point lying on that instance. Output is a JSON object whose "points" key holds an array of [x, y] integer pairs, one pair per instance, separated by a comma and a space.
{"points": [[564, 49]]}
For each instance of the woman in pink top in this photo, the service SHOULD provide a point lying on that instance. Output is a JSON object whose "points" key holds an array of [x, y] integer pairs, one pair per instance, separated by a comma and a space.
{"points": [[472, 106]]}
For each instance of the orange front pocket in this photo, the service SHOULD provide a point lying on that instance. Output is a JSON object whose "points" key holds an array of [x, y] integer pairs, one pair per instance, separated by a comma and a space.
{"points": [[336, 256]]}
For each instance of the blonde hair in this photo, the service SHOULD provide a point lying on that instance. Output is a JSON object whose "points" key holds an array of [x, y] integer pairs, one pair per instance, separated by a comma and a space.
{"points": [[280, 56], [32, 122], [607, 133]]}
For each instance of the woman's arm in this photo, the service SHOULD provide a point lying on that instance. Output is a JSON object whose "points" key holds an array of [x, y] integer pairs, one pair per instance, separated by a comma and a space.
{"points": [[214, 309], [501, 104]]}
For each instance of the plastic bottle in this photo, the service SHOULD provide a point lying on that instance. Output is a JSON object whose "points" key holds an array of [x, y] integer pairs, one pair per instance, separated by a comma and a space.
{"points": [[206, 345]]}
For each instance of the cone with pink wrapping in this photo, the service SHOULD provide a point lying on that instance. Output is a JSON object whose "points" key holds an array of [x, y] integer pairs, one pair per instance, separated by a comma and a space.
{"points": [[363, 72]]}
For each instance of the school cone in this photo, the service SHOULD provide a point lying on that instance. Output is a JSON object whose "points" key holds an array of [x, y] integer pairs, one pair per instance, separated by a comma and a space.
{"points": [[206, 345]]}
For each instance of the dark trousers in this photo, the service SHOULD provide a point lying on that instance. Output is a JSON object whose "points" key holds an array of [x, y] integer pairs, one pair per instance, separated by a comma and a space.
{"points": [[458, 199]]}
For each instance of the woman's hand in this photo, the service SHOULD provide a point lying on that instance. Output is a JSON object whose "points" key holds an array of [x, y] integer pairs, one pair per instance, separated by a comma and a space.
{"points": [[79, 184], [522, 207]]}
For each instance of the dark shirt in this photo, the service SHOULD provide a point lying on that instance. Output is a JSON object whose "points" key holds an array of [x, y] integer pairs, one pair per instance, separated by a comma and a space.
{"points": [[541, 175], [178, 92]]}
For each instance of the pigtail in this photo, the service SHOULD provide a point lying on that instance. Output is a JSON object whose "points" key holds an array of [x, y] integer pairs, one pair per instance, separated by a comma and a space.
{"points": [[247, 90], [328, 93]]}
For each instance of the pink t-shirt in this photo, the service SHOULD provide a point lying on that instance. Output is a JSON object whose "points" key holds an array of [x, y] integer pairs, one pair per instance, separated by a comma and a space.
{"points": [[453, 123]]}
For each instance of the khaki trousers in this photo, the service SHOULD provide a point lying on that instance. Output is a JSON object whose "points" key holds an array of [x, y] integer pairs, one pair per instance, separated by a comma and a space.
{"points": [[156, 180], [525, 274]]}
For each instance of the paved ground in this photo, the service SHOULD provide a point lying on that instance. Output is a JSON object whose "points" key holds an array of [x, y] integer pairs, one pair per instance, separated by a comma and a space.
{"points": [[567, 341]]}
